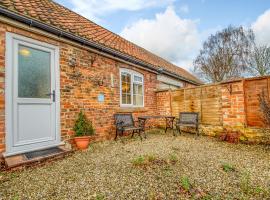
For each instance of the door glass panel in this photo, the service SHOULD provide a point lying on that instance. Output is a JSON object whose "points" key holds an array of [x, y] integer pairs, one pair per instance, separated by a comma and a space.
{"points": [[34, 76]]}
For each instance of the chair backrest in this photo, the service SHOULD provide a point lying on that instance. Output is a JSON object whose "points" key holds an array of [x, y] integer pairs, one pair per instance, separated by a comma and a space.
{"points": [[189, 117], [123, 120]]}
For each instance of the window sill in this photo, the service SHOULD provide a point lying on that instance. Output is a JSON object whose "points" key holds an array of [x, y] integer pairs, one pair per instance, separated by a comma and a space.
{"points": [[131, 109]]}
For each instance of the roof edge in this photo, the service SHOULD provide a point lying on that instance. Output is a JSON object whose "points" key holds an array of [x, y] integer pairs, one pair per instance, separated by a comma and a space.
{"points": [[85, 42]]}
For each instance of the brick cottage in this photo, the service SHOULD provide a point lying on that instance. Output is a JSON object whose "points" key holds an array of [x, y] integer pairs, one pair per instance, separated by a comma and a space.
{"points": [[54, 62]]}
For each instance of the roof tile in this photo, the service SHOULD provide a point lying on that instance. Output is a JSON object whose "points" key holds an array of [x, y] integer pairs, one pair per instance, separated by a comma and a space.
{"points": [[56, 15]]}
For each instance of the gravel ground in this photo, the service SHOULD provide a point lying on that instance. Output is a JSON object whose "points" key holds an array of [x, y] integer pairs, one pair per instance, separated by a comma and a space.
{"points": [[161, 167]]}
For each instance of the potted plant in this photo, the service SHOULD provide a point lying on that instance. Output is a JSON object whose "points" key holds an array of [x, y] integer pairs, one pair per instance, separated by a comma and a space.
{"points": [[83, 129]]}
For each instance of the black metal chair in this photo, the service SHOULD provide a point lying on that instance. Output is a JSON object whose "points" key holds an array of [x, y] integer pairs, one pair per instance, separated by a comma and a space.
{"points": [[125, 122], [188, 119]]}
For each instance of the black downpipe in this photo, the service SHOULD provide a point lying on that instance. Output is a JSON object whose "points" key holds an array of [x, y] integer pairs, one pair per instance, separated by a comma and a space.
{"points": [[60, 33]]}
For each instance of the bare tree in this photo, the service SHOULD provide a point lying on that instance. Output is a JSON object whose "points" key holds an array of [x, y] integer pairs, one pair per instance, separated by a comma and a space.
{"points": [[260, 61], [225, 55]]}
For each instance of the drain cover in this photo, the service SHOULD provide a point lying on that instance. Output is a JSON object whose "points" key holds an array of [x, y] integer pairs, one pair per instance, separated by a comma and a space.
{"points": [[44, 152]]}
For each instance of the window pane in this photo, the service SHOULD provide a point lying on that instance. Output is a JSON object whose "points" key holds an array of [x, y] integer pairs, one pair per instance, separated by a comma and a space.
{"points": [[124, 99], [137, 89], [34, 76], [138, 100], [126, 88], [128, 99], [128, 79], [137, 78], [123, 77], [126, 83]]}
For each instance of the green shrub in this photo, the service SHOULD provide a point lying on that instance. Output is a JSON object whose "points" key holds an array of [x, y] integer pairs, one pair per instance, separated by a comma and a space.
{"points": [[83, 126]]}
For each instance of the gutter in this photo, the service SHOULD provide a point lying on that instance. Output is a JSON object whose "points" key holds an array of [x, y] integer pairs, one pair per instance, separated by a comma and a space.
{"points": [[84, 42]]}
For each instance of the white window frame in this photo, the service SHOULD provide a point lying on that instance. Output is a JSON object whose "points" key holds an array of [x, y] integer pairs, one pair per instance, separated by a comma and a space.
{"points": [[132, 74]]}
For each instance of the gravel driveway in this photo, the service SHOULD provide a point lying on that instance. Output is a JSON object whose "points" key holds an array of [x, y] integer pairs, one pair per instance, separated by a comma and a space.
{"points": [[161, 167]]}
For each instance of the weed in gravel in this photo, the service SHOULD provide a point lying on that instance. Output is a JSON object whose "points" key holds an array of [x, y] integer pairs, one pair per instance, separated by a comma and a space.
{"points": [[100, 197], [249, 189], [185, 183], [175, 148], [167, 170], [228, 167], [151, 158], [206, 197], [16, 197], [139, 161], [245, 183], [191, 192], [148, 161], [173, 158]]}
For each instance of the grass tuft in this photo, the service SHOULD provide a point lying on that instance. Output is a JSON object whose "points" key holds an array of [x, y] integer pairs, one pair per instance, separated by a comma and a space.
{"points": [[228, 167], [185, 183], [173, 158], [139, 161]]}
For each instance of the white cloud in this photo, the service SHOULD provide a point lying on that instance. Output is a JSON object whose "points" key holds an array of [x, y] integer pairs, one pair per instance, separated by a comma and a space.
{"points": [[184, 9], [261, 28], [94, 9], [167, 35]]}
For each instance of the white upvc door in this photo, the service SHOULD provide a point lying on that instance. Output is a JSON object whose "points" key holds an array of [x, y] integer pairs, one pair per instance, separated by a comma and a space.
{"points": [[32, 95]]}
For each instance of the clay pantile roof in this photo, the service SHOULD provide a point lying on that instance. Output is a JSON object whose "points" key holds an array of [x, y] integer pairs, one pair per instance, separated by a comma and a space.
{"points": [[56, 15]]}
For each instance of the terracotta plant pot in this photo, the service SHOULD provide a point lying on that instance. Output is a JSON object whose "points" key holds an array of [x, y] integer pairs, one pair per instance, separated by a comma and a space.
{"points": [[82, 142]]}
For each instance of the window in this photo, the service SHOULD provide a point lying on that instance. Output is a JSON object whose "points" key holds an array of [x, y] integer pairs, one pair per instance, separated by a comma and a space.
{"points": [[131, 88]]}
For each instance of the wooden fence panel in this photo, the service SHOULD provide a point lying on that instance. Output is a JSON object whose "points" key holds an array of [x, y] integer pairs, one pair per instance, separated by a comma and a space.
{"points": [[205, 100], [253, 88], [192, 100], [211, 105], [177, 102]]}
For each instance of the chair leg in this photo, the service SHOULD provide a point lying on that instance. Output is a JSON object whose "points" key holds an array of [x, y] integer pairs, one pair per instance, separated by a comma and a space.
{"points": [[179, 130], [132, 134], [116, 134], [166, 129], [174, 129], [144, 134], [140, 134]]}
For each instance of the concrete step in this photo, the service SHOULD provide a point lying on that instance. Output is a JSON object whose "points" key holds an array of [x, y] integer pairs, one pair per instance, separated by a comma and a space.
{"points": [[20, 160]]}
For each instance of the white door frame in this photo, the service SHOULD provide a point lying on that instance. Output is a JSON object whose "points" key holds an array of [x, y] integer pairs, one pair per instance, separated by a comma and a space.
{"points": [[11, 39]]}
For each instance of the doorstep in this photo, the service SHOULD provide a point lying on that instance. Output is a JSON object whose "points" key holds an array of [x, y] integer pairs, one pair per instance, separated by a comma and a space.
{"points": [[21, 160]]}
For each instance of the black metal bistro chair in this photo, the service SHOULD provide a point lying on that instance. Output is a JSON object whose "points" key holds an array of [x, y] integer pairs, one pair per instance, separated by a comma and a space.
{"points": [[125, 122], [188, 119]]}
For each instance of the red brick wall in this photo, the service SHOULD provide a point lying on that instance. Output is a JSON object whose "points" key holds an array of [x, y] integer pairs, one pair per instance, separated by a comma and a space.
{"points": [[80, 86], [164, 103]]}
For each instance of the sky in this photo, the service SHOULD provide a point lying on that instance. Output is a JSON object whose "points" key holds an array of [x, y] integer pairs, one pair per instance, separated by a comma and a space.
{"points": [[175, 29]]}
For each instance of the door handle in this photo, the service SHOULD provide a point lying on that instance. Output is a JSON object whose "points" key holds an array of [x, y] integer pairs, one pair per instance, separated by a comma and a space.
{"points": [[52, 94]]}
